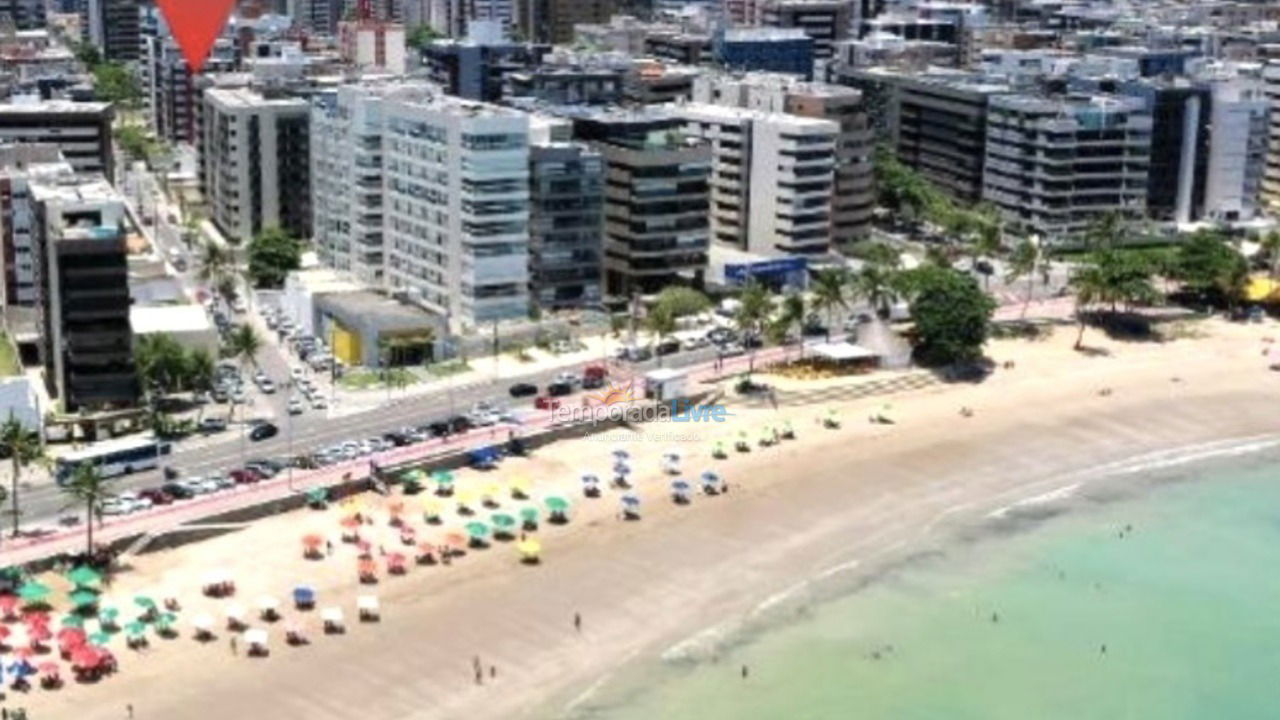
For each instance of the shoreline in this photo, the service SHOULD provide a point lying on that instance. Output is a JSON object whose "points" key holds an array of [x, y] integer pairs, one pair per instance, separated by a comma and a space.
{"points": [[822, 502]]}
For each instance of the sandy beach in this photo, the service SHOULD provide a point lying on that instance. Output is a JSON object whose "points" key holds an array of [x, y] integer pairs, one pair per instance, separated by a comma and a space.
{"points": [[848, 500]]}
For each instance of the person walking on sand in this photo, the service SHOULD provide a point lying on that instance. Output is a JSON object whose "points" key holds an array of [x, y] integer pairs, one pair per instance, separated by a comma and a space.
{"points": [[745, 672], [577, 622], [328, 547], [129, 708], [233, 645]]}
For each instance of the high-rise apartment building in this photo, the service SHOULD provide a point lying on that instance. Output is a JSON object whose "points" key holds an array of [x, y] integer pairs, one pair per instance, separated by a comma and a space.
{"points": [[20, 166], [1239, 118], [552, 21], [80, 130], [853, 199], [1271, 177], [1055, 166], [255, 162], [171, 88], [114, 27], [346, 180], [656, 199], [456, 206], [566, 182], [25, 14], [83, 297], [826, 21], [772, 178]]}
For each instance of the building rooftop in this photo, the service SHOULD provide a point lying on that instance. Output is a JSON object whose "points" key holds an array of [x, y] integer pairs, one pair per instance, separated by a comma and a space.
{"points": [[151, 319], [36, 106], [75, 189], [380, 311], [725, 113], [764, 34]]}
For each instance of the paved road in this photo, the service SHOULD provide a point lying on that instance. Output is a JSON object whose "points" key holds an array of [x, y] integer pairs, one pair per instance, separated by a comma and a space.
{"points": [[42, 505]]}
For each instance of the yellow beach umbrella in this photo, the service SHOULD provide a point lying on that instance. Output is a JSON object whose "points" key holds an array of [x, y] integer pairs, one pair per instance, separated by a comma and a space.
{"points": [[492, 491], [432, 507], [529, 548], [466, 497], [520, 485]]}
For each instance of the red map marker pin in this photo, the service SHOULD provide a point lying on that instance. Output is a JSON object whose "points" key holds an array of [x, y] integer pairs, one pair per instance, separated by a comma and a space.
{"points": [[195, 24]]}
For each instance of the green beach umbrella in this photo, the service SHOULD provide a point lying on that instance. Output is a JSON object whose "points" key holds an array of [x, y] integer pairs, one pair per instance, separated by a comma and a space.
{"points": [[166, 620], [100, 638], [477, 529], [144, 602], [414, 475], [32, 591], [529, 513], [317, 495], [442, 477], [136, 629], [108, 614], [82, 598], [502, 521], [84, 575], [555, 503], [72, 620]]}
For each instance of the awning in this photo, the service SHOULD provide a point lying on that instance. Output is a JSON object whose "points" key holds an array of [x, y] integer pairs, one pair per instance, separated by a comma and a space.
{"points": [[842, 352]]}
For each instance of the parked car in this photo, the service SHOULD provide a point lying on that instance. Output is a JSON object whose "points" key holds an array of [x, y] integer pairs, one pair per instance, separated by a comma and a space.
{"points": [[213, 424], [222, 481], [197, 486], [546, 402], [115, 506], [262, 431], [593, 376], [559, 389], [178, 491], [263, 468], [295, 406], [318, 402], [244, 476], [523, 389], [267, 387], [135, 500], [156, 496], [669, 346]]}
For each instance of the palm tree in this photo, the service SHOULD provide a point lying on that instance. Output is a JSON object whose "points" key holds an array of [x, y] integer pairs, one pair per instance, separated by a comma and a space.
{"points": [[23, 448], [200, 370], [661, 321], [830, 295], [879, 286], [1271, 244], [1027, 261], [1091, 286], [215, 263], [86, 486], [243, 344], [755, 306], [792, 316]]}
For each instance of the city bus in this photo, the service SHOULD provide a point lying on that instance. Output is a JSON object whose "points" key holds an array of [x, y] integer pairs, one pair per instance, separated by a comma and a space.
{"points": [[114, 457]]}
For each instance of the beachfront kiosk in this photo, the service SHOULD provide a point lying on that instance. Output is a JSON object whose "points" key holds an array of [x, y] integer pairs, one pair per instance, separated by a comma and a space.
{"points": [[666, 384]]}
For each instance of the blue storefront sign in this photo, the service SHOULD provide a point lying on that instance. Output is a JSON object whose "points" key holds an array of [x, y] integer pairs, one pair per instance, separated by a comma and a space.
{"points": [[788, 272]]}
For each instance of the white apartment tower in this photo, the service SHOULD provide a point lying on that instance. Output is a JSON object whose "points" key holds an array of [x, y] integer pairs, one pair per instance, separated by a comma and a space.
{"points": [[772, 178], [456, 206]]}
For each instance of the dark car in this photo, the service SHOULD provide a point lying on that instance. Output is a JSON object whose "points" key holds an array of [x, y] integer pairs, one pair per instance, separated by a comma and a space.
{"points": [[244, 476], [262, 431], [523, 390], [670, 346], [398, 439], [178, 492], [157, 496], [559, 389], [592, 382]]}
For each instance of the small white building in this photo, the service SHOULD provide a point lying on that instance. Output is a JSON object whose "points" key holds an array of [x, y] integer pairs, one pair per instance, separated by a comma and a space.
{"points": [[373, 45], [187, 324]]}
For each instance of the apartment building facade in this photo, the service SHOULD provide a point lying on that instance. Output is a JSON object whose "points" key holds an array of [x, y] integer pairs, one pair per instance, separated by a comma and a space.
{"points": [[80, 130], [566, 220]]}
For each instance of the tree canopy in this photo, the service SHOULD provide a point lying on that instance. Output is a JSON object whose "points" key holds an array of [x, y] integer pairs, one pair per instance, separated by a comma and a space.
{"points": [[952, 316], [115, 83], [421, 36], [273, 254], [1208, 266], [679, 301], [166, 367]]}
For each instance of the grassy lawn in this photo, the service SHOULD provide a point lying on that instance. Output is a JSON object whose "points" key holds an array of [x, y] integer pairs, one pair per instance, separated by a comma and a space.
{"points": [[447, 368], [368, 379], [9, 364]]}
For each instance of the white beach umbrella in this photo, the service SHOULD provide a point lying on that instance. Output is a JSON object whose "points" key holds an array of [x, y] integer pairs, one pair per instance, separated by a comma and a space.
{"points": [[331, 615], [256, 636], [235, 612], [202, 622], [367, 603], [266, 602]]}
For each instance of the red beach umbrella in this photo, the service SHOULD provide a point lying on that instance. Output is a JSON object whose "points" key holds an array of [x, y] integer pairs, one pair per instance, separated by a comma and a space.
{"points": [[312, 540], [367, 567], [4, 631], [39, 633], [71, 637], [456, 540], [49, 669], [350, 522], [86, 658], [8, 603], [35, 618]]}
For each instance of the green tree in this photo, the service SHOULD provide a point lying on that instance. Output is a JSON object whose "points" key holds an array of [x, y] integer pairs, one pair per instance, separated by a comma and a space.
{"points": [[134, 141], [661, 321], [793, 315], [23, 448], [115, 83], [200, 370], [755, 307], [1271, 246], [879, 286], [679, 301], [215, 263], [952, 316], [1111, 278], [1028, 261], [87, 53], [830, 290], [162, 363], [1208, 266], [273, 254], [421, 36], [86, 485]]}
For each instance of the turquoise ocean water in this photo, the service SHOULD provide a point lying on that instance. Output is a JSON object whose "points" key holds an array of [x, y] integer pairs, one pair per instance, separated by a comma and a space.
{"points": [[1187, 604]]}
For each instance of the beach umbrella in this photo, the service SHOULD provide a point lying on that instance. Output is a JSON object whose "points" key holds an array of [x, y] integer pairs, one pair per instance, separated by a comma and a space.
{"points": [[255, 636], [630, 500], [367, 567], [107, 615], [99, 638], [33, 592], [367, 604], [71, 636], [680, 486], [442, 477], [35, 618], [267, 603], [492, 491], [317, 496], [621, 469], [414, 475], [4, 631], [620, 453], [202, 622], [395, 508], [83, 575], [431, 507], [49, 669], [304, 595], [71, 620], [477, 530], [396, 558], [235, 612], [21, 668], [590, 479], [144, 602], [83, 598], [455, 540], [312, 541], [529, 514], [520, 485], [502, 521], [331, 615], [8, 603], [466, 497], [529, 549], [555, 503], [136, 629], [86, 658], [350, 522]]}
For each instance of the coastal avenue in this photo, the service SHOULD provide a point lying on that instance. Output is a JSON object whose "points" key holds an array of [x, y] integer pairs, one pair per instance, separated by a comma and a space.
{"points": [[44, 504]]}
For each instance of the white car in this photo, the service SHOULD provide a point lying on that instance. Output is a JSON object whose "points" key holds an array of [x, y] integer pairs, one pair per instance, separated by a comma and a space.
{"points": [[115, 506], [295, 406], [297, 373], [222, 480], [135, 501], [267, 386], [238, 305], [318, 402], [568, 378]]}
